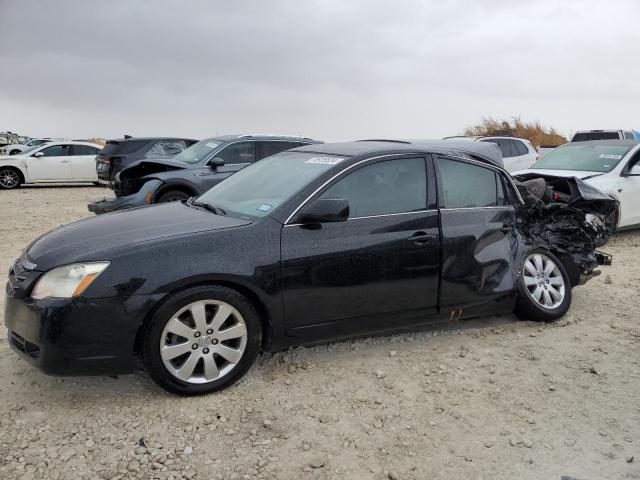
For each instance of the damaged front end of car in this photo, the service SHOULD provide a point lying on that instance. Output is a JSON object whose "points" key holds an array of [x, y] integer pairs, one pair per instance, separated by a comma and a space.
{"points": [[568, 217], [135, 186]]}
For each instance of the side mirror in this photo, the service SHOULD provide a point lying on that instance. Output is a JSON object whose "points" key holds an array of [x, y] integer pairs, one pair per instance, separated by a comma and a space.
{"points": [[38, 154], [216, 162], [326, 210]]}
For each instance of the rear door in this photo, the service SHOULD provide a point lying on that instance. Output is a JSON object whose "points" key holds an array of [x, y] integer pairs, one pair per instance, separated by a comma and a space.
{"points": [[478, 240], [54, 164], [379, 269], [83, 162]]}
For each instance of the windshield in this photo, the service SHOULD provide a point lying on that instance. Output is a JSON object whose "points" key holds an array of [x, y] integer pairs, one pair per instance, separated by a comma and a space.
{"points": [[588, 158], [586, 136], [197, 152], [257, 190], [27, 151]]}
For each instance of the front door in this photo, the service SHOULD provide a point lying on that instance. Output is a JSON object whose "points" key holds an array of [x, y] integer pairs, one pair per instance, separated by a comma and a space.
{"points": [[54, 164], [378, 269], [478, 238]]}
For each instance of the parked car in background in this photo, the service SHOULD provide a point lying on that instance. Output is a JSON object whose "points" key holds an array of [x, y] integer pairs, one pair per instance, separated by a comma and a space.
{"points": [[50, 163], [586, 135], [14, 149], [544, 149], [517, 153], [612, 166], [312, 244], [193, 171], [122, 152]]}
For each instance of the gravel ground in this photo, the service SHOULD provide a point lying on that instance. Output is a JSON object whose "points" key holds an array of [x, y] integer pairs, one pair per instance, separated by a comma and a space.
{"points": [[494, 398]]}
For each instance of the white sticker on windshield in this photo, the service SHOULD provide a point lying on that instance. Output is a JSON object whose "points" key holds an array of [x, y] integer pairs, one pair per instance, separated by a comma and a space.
{"points": [[610, 157], [265, 207], [325, 160]]}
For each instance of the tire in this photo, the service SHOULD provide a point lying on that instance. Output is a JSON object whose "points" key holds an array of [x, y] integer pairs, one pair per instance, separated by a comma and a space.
{"points": [[173, 196], [10, 178], [534, 280], [188, 366]]}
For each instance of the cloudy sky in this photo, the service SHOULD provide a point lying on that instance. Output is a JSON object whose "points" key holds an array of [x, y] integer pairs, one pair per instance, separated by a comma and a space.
{"points": [[333, 70]]}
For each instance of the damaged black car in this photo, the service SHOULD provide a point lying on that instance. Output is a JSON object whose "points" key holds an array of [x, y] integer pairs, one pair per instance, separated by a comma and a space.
{"points": [[191, 172], [312, 244]]}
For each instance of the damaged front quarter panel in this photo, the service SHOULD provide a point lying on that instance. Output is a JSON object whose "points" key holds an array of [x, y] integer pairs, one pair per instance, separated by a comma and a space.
{"points": [[568, 217]]}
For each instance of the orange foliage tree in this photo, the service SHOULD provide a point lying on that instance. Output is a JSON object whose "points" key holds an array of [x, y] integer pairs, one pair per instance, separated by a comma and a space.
{"points": [[535, 132]]}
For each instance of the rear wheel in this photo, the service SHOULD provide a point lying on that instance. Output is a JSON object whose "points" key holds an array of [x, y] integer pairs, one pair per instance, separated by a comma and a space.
{"points": [[10, 178], [544, 288], [201, 340], [173, 196]]}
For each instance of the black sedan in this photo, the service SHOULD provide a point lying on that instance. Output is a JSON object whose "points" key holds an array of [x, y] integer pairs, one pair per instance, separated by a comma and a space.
{"points": [[317, 243]]}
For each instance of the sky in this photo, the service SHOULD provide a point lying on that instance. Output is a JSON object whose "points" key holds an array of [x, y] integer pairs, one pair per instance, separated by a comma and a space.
{"points": [[330, 70]]}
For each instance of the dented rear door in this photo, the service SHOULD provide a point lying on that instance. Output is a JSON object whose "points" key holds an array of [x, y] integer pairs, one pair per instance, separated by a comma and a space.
{"points": [[478, 238]]}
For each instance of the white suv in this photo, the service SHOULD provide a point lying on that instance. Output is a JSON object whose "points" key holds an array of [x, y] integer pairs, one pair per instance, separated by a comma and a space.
{"points": [[517, 153]]}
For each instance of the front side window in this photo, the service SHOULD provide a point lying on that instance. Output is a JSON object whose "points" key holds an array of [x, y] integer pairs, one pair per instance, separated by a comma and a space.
{"points": [[167, 148], [56, 151], [463, 185], [241, 152], [391, 186]]}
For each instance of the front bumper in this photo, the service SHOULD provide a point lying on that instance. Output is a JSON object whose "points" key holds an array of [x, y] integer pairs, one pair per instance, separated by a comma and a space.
{"points": [[77, 336], [141, 198]]}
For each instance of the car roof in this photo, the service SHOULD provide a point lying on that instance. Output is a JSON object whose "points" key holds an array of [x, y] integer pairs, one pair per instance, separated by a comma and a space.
{"points": [[481, 137], [258, 136], [148, 139], [488, 152]]}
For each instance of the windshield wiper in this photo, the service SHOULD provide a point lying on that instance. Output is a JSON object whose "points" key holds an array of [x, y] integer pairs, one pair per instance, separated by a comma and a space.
{"points": [[207, 206]]}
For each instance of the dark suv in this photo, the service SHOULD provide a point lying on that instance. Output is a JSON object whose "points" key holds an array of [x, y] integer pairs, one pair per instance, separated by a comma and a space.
{"points": [[121, 152], [193, 171]]}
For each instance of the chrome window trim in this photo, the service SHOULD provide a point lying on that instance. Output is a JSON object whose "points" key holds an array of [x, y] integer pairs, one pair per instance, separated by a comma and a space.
{"points": [[476, 208], [430, 210], [304, 202]]}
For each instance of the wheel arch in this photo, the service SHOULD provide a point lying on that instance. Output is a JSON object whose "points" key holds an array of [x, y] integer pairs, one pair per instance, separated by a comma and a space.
{"points": [[179, 186], [23, 177], [250, 294]]}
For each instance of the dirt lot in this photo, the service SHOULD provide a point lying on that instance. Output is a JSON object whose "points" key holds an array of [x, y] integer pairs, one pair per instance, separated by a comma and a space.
{"points": [[495, 398]]}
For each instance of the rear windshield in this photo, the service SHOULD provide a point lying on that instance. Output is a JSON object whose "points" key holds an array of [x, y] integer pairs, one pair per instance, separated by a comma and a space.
{"points": [[122, 147], [583, 157], [586, 136]]}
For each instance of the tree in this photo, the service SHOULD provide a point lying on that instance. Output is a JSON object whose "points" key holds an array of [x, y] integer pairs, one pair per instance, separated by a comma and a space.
{"points": [[535, 132]]}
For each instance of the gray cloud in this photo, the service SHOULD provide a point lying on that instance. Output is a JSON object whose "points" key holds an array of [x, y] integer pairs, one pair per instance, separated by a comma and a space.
{"points": [[328, 69]]}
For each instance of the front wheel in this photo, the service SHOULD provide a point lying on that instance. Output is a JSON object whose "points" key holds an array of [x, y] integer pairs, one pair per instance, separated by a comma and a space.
{"points": [[544, 288], [173, 196], [9, 178], [201, 340]]}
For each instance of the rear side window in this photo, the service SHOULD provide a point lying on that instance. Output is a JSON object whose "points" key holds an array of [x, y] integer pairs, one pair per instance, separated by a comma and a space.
{"points": [[521, 148], [505, 147], [84, 150], [123, 147], [463, 185], [167, 148], [629, 136], [392, 186], [266, 149], [241, 152]]}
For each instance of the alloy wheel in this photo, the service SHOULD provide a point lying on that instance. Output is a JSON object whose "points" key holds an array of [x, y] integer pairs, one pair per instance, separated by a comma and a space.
{"points": [[543, 281], [203, 341], [9, 178]]}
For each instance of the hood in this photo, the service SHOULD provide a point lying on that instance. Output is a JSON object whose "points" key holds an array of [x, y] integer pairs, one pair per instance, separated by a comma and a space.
{"points": [[94, 238], [557, 173]]}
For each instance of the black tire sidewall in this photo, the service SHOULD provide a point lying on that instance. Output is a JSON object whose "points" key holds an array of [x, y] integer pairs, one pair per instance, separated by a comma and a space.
{"points": [[153, 331], [527, 308], [164, 197]]}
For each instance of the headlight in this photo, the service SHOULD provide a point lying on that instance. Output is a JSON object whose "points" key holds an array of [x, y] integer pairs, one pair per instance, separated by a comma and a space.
{"points": [[68, 281]]}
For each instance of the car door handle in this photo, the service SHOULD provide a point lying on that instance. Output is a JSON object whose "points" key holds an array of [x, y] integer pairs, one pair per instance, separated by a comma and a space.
{"points": [[421, 238]]}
